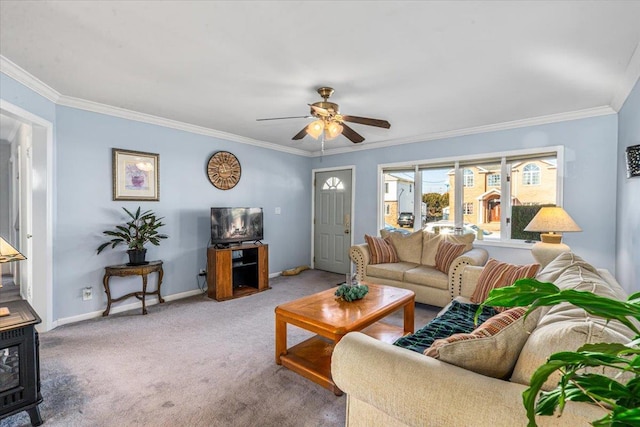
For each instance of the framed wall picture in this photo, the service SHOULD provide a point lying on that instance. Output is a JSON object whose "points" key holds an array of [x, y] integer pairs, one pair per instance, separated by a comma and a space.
{"points": [[136, 175], [633, 160]]}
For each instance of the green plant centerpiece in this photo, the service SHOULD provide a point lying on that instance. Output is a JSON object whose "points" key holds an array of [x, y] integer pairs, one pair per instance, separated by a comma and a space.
{"points": [[140, 228], [351, 292], [620, 398]]}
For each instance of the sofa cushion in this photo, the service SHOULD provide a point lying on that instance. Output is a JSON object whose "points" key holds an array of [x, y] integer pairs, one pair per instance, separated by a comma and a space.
{"points": [[391, 271], [380, 250], [493, 348], [447, 252], [497, 274], [457, 319], [427, 276], [565, 327], [408, 246], [430, 243], [571, 266]]}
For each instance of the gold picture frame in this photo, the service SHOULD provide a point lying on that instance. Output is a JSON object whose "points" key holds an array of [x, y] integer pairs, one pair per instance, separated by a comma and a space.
{"points": [[136, 175]]}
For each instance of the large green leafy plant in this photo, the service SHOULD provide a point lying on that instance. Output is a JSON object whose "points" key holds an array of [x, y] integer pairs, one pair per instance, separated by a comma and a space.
{"points": [[621, 398], [140, 228]]}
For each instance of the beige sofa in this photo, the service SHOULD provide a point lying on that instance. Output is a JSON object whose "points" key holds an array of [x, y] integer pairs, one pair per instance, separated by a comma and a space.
{"points": [[390, 386], [416, 270]]}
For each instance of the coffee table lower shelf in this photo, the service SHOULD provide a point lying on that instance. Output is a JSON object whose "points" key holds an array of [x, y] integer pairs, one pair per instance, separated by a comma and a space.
{"points": [[312, 358]]}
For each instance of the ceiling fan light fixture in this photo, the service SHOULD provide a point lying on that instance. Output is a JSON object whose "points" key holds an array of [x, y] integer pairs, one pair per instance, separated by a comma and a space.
{"points": [[315, 128], [333, 130]]}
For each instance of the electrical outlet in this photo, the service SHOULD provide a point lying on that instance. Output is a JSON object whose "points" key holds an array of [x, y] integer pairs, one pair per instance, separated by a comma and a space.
{"points": [[87, 293], [203, 272]]}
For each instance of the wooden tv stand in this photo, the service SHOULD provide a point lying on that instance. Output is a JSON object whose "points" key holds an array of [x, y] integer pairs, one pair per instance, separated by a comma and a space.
{"points": [[237, 271]]}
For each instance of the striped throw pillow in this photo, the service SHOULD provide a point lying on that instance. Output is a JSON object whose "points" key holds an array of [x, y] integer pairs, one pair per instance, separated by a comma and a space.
{"points": [[492, 349], [447, 252], [497, 274], [381, 250]]}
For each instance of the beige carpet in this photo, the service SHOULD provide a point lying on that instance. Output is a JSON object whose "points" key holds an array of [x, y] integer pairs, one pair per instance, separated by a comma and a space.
{"points": [[192, 362]]}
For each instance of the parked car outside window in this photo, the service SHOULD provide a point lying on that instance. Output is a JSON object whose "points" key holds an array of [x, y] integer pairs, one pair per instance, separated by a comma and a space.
{"points": [[405, 219], [390, 227], [447, 227]]}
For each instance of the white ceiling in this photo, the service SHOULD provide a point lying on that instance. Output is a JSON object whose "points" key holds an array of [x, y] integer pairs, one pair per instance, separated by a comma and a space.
{"points": [[429, 68]]}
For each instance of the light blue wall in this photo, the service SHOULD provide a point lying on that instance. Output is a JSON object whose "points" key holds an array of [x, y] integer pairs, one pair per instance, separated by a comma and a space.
{"points": [[590, 167], [628, 208], [17, 94], [84, 140], [84, 207]]}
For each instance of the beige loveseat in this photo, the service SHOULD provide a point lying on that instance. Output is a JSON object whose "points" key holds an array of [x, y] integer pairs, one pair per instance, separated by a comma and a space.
{"points": [[416, 267], [391, 386]]}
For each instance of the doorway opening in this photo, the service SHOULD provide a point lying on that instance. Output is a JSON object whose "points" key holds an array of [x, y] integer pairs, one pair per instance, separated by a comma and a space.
{"points": [[27, 143]]}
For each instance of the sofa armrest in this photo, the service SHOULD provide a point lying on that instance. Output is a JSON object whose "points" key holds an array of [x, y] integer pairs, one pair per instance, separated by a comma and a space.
{"points": [[422, 391], [359, 254], [475, 257]]}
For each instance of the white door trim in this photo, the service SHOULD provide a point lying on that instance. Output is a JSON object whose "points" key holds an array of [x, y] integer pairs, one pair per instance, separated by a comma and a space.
{"points": [[43, 264], [351, 168]]}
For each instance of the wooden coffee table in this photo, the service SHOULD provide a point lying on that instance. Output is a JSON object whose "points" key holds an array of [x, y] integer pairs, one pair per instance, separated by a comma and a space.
{"points": [[331, 319]]}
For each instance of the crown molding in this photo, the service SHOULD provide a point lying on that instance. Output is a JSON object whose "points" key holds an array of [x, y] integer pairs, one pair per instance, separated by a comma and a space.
{"points": [[22, 76], [628, 81], [534, 121], [25, 78], [123, 113], [19, 74]]}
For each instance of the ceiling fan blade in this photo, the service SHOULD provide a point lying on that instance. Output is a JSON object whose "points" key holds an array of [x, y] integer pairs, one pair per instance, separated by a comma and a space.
{"points": [[367, 121], [300, 134], [351, 134], [281, 118]]}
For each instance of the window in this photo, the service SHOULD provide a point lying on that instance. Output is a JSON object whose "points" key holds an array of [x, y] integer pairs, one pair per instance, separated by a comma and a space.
{"points": [[333, 183], [531, 174], [498, 202], [468, 178], [398, 196]]}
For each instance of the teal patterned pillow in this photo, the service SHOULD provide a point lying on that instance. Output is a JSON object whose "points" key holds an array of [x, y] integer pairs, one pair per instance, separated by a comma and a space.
{"points": [[456, 320]]}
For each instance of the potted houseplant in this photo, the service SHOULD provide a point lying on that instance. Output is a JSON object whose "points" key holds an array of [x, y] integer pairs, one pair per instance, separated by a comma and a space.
{"points": [[621, 398], [141, 227]]}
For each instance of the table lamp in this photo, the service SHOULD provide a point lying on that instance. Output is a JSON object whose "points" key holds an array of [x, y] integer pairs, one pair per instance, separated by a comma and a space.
{"points": [[8, 254], [551, 221]]}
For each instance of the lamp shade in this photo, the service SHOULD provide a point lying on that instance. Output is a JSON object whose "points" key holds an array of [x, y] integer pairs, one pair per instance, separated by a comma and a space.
{"points": [[8, 253], [550, 220], [333, 130], [315, 128]]}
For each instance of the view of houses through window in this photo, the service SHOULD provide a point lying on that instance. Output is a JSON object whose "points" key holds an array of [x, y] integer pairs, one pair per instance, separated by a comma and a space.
{"points": [[498, 196]]}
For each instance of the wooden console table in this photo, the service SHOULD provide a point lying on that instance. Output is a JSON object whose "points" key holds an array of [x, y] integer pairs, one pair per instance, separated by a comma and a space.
{"points": [[237, 271], [133, 270]]}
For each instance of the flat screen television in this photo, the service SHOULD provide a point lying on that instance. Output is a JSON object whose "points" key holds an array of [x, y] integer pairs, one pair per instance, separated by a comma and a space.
{"points": [[236, 225]]}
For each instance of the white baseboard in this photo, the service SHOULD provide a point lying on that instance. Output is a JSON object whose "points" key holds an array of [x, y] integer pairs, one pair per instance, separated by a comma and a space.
{"points": [[126, 307]]}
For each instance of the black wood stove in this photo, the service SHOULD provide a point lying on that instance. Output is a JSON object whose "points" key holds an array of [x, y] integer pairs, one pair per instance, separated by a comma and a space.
{"points": [[19, 362]]}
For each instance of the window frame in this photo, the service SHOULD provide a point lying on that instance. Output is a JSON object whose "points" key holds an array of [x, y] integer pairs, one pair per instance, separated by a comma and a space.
{"points": [[458, 164], [531, 174]]}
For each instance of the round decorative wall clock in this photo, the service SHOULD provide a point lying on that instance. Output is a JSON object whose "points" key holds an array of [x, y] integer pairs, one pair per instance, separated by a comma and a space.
{"points": [[224, 170]]}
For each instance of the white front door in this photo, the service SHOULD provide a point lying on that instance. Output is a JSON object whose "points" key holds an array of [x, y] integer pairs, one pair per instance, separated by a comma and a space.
{"points": [[332, 221]]}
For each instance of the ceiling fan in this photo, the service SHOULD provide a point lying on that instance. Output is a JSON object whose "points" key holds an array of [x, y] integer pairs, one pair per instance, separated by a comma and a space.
{"points": [[330, 123]]}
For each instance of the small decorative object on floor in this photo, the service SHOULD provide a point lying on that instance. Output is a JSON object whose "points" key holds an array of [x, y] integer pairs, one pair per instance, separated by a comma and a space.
{"points": [[351, 292], [295, 271]]}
